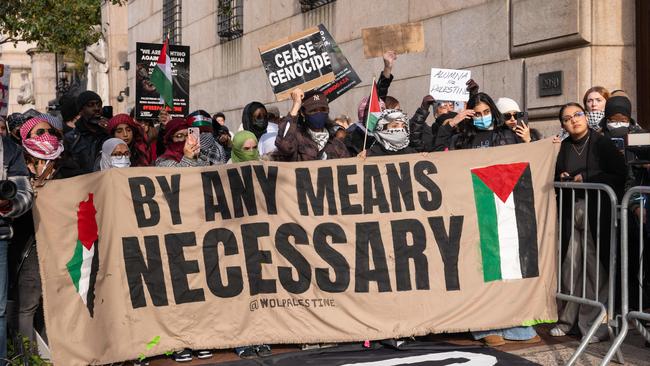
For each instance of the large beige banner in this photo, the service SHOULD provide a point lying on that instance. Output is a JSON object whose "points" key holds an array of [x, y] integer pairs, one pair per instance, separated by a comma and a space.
{"points": [[147, 260]]}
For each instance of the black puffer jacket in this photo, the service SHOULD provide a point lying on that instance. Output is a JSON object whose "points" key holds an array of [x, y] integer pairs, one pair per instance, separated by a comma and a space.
{"points": [[84, 144], [420, 133]]}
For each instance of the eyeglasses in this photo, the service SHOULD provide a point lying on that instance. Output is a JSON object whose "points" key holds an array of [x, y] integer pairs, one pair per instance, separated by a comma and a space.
{"points": [[41, 131], [120, 154], [566, 119], [515, 115]]}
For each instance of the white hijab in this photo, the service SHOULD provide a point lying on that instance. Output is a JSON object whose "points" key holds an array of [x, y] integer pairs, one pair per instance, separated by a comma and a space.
{"points": [[107, 149]]}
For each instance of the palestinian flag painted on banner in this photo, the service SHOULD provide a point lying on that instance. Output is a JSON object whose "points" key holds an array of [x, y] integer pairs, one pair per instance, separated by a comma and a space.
{"points": [[161, 77], [505, 208], [84, 263], [374, 109]]}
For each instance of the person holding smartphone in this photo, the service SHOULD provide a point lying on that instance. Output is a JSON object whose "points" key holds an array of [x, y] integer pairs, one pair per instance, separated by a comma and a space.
{"points": [[181, 149], [516, 120]]}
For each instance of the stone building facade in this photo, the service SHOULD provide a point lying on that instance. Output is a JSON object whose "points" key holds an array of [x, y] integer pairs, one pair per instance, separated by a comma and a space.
{"points": [[507, 44]]}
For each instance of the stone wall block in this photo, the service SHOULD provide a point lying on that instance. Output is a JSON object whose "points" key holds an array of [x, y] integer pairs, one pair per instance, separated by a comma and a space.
{"points": [[422, 9], [576, 78], [539, 26], [475, 36]]}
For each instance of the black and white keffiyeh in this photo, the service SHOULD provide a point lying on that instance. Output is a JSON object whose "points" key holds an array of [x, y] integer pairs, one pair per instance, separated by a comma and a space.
{"points": [[393, 139], [320, 138]]}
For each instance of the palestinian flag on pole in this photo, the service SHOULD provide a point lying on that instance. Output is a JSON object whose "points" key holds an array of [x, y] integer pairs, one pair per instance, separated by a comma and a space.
{"points": [[505, 208], [161, 77], [84, 263], [374, 109]]}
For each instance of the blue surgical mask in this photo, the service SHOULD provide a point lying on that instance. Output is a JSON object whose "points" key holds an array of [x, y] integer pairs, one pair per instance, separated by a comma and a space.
{"points": [[317, 120], [483, 123]]}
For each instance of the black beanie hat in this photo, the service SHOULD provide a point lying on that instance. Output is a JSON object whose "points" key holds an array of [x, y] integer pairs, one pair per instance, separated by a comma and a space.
{"points": [[618, 104], [86, 97]]}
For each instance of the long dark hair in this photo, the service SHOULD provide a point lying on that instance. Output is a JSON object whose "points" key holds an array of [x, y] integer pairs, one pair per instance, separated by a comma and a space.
{"points": [[466, 129]]}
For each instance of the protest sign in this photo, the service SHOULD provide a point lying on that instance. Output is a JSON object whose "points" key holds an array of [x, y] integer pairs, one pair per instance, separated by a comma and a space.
{"points": [[301, 60], [5, 76], [346, 77], [147, 100], [401, 38], [450, 85], [270, 252]]}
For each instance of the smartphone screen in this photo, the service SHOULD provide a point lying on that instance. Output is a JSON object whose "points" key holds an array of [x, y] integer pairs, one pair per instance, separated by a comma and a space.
{"points": [[619, 142], [194, 131]]}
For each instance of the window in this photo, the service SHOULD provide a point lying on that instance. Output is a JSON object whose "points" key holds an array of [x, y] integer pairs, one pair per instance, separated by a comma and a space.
{"points": [[307, 5], [230, 19], [172, 20]]}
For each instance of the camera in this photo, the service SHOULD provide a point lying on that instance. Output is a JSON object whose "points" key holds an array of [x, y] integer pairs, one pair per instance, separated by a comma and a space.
{"points": [[8, 190]]}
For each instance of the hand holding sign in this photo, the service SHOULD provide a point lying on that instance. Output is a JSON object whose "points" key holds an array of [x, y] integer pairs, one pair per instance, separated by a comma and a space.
{"points": [[451, 85]]}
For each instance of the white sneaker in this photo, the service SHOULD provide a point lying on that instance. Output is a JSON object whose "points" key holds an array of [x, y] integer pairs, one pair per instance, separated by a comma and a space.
{"points": [[557, 332]]}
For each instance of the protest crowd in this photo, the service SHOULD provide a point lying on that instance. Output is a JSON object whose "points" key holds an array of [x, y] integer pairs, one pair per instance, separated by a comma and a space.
{"points": [[38, 147]]}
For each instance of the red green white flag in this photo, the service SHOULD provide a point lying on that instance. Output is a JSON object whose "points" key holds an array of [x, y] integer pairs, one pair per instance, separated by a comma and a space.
{"points": [[84, 263], [374, 109], [505, 208], [161, 77]]}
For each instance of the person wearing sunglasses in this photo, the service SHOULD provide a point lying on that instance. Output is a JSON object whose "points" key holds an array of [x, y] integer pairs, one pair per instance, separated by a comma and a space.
{"points": [[514, 118], [585, 156], [42, 151]]}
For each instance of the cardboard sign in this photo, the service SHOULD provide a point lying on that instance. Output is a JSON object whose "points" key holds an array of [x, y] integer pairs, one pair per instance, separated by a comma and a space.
{"points": [[147, 100], [401, 38], [318, 251], [301, 61], [5, 76], [346, 77], [449, 84]]}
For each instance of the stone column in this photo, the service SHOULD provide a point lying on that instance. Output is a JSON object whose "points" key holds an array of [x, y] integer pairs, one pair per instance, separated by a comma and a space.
{"points": [[43, 77]]}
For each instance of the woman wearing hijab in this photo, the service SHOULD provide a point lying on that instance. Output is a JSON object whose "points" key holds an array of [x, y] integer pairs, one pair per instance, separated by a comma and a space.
{"points": [[255, 119], [124, 127], [244, 147], [181, 150], [115, 154]]}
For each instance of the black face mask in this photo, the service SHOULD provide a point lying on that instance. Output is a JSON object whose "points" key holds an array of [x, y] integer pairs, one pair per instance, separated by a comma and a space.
{"points": [[260, 124], [619, 132]]}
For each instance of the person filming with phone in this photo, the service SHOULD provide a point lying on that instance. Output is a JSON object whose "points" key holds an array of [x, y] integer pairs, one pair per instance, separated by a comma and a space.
{"points": [[181, 149], [516, 120]]}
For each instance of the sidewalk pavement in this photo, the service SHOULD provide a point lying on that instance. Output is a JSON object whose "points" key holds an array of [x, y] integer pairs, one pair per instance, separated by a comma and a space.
{"points": [[550, 351]]}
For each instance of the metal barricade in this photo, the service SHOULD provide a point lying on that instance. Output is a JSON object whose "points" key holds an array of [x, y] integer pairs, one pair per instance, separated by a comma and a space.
{"points": [[628, 316], [569, 294]]}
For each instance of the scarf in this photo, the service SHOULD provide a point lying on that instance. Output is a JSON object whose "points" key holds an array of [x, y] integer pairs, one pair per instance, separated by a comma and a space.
{"points": [[320, 138], [107, 150], [238, 154], [393, 139], [45, 146]]}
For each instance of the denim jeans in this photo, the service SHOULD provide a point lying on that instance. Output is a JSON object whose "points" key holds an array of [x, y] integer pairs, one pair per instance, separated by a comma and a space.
{"points": [[512, 334], [3, 300]]}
